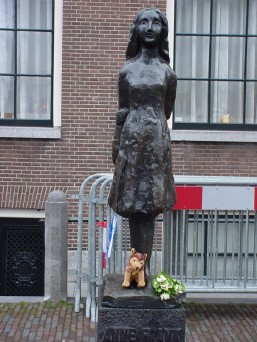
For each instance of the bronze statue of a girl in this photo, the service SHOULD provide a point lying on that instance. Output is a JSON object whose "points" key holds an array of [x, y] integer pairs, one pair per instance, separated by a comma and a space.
{"points": [[143, 183]]}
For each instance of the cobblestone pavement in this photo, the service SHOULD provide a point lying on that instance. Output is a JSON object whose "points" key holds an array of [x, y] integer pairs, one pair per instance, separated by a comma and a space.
{"points": [[58, 322]]}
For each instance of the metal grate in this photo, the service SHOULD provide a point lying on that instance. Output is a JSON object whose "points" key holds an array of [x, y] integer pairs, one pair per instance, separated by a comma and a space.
{"points": [[22, 261]]}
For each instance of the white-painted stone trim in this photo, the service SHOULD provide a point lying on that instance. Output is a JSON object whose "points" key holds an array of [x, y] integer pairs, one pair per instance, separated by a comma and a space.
{"points": [[57, 84], [30, 132], [215, 180], [22, 213], [215, 136]]}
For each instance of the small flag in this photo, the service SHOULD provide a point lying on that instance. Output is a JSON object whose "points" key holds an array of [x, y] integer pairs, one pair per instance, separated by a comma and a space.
{"points": [[103, 225], [111, 235]]}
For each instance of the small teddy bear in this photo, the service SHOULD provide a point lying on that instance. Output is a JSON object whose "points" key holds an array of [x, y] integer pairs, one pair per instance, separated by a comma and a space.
{"points": [[135, 269]]}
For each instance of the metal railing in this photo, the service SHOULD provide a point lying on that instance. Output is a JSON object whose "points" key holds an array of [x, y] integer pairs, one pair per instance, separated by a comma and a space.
{"points": [[208, 249], [213, 250]]}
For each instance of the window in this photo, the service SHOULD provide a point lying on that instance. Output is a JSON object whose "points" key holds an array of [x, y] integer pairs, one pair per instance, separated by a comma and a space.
{"points": [[215, 61], [26, 62]]}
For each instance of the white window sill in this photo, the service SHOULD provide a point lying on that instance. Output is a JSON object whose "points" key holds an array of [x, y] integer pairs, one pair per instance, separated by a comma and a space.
{"points": [[22, 213], [218, 136], [30, 132]]}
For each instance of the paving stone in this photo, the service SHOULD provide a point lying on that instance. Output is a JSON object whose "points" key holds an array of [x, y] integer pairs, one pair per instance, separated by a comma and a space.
{"points": [[47, 322]]}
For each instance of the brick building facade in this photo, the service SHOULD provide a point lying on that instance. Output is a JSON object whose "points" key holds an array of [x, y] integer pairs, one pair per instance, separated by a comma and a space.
{"points": [[95, 35]]}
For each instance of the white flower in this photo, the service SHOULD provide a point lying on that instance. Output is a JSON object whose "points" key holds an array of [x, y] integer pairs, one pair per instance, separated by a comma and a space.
{"points": [[161, 278], [179, 288], [165, 286], [165, 296]]}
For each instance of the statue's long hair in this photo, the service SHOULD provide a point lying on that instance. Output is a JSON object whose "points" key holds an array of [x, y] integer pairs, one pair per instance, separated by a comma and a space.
{"points": [[134, 45]]}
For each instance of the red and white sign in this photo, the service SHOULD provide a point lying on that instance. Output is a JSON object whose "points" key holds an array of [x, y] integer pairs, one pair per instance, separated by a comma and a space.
{"points": [[216, 197]]}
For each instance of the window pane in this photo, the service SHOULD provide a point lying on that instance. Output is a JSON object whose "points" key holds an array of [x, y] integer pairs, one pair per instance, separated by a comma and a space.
{"points": [[228, 57], [6, 97], [252, 58], [7, 13], [229, 16], [193, 16], [252, 22], [7, 52], [192, 57], [251, 103], [34, 14], [34, 52], [227, 102], [191, 102], [34, 98]]}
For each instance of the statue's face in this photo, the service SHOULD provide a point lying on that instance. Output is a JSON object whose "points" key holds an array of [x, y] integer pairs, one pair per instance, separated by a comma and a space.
{"points": [[150, 28]]}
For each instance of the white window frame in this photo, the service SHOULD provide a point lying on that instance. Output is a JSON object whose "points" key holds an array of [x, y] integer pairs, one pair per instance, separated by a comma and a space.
{"points": [[55, 131], [200, 135]]}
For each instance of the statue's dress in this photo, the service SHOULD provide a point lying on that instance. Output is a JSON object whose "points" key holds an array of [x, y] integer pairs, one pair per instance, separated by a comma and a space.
{"points": [[143, 180]]}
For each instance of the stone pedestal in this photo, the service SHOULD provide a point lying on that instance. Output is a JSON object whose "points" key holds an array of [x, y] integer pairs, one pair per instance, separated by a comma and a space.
{"points": [[138, 314]]}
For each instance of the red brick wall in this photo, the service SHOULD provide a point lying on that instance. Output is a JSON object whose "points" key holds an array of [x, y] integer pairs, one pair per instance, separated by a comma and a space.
{"points": [[215, 159], [95, 35]]}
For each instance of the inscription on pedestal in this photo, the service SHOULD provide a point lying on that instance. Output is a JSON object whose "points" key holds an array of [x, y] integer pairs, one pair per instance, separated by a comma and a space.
{"points": [[114, 334]]}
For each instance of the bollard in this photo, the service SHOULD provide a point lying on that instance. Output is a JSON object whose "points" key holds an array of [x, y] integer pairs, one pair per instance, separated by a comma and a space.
{"points": [[56, 246]]}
